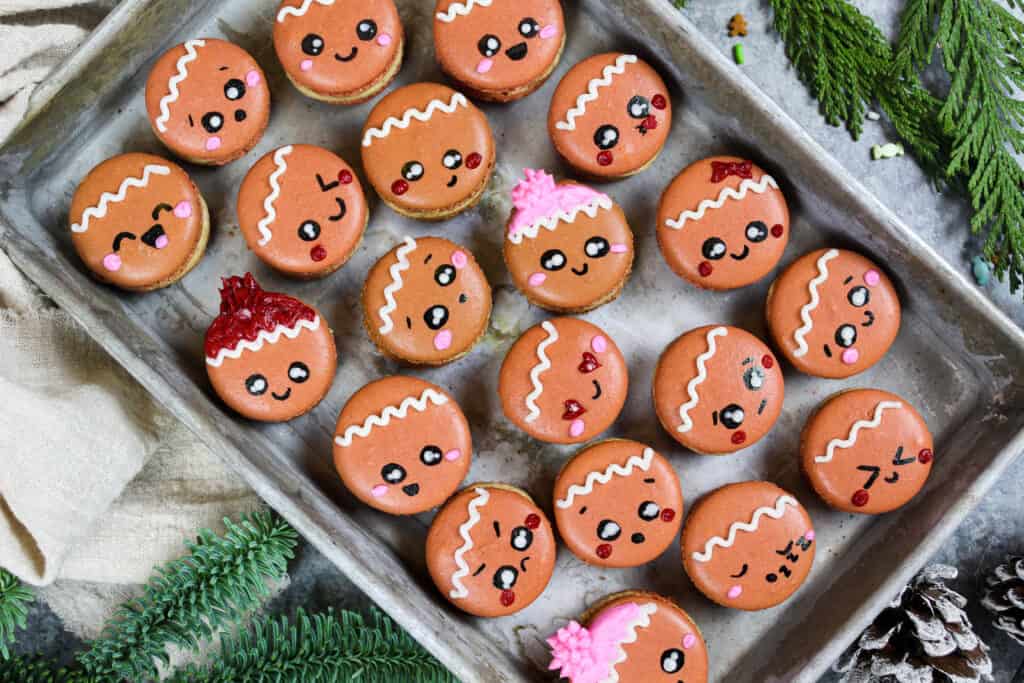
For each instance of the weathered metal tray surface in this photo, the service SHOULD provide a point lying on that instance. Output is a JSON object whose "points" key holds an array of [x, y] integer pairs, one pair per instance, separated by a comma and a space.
{"points": [[957, 359]]}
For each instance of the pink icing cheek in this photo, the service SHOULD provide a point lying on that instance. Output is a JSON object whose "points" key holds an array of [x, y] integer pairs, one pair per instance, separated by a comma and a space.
{"points": [[379, 490], [689, 640], [619, 248], [213, 144], [443, 340], [850, 356], [809, 535], [183, 209], [112, 262], [253, 78], [384, 39], [459, 259], [537, 279], [161, 242], [872, 278], [599, 344], [576, 428], [485, 65], [734, 592], [549, 32], [306, 64], [453, 455]]}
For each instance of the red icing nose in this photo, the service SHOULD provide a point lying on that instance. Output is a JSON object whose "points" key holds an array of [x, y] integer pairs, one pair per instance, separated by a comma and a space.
{"points": [[507, 598], [345, 176], [659, 102], [767, 362], [604, 551], [473, 160], [573, 409], [925, 456], [777, 230], [605, 158], [318, 253], [739, 437], [650, 123], [860, 498], [668, 514], [532, 521], [705, 269]]}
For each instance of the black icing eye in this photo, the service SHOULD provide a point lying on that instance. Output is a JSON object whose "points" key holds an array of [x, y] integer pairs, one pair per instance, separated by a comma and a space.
{"points": [[757, 231], [309, 231], [846, 336], [606, 137], [452, 159], [213, 121], [732, 416], [753, 379], [298, 372], [596, 247], [445, 275], [672, 661], [505, 578], [713, 248], [608, 530], [234, 89], [412, 171], [552, 259], [366, 29], [529, 27], [312, 44], [859, 296], [392, 473], [489, 45], [648, 510], [256, 384], [431, 455], [435, 317], [639, 107], [522, 538]]}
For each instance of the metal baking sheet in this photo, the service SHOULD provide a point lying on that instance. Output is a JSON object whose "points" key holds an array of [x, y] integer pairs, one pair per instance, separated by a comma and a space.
{"points": [[957, 358]]}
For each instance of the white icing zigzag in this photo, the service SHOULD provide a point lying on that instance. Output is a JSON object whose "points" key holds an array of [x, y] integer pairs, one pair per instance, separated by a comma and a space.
{"points": [[805, 312], [460, 9], [419, 404], [270, 214], [264, 338], [644, 463], [702, 374], [830, 449], [550, 222], [542, 366], [616, 69], [396, 284], [748, 185], [106, 199], [642, 621], [172, 85], [775, 512], [460, 590], [421, 115], [299, 11]]}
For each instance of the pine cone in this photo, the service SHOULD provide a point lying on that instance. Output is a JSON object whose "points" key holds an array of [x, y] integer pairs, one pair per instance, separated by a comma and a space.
{"points": [[923, 636], [1004, 597]]}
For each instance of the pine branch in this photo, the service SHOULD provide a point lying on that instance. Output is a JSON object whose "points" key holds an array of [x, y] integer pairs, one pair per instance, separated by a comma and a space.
{"points": [[319, 649], [14, 602], [39, 670], [192, 598]]}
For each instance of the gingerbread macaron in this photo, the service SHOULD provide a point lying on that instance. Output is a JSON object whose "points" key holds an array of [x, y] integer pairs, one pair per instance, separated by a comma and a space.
{"points": [[302, 210], [749, 546], [723, 223], [499, 51], [610, 115], [618, 503], [269, 356], [426, 302], [402, 445], [139, 222], [568, 247], [563, 381], [490, 550], [833, 313], [428, 151], [339, 52], [208, 101], [718, 389], [631, 636], [866, 451]]}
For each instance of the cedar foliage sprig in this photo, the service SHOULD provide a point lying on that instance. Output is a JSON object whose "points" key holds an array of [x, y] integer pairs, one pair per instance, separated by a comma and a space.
{"points": [[192, 598], [320, 649], [14, 601], [31, 669]]}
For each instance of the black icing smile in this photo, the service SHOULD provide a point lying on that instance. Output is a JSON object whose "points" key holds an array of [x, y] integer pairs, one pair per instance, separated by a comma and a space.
{"points": [[597, 391], [282, 397], [743, 254], [351, 55], [411, 490], [454, 181], [150, 237], [517, 52], [869, 319], [582, 271]]}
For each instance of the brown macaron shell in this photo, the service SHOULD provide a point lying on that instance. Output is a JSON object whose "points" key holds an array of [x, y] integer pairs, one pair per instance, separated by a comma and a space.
{"points": [[563, 381], [428, 169], [630, 116], [749, 546], [208, 101], [138, 222], [499, 51], [442, 301], [317, 210], [853, 308], [866, 451], [342, 52], [510, 537], [739, 394], [618, 503], [735, 241], [402, 445]]}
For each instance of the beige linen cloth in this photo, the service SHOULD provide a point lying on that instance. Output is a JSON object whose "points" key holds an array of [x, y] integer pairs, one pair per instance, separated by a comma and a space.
{"points": [[97, 483]]}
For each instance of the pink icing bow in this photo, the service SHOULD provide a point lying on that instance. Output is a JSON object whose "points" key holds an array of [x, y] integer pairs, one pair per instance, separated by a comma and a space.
{"points": [[587, 655], [537, 197]]}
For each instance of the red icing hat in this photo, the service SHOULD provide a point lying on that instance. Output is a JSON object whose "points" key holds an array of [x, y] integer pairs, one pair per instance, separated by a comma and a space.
{"points": [[246, 310]]}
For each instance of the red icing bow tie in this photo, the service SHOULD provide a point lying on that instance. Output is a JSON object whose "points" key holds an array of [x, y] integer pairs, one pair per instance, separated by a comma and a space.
{"points": [[720, 170], [589, 363]]}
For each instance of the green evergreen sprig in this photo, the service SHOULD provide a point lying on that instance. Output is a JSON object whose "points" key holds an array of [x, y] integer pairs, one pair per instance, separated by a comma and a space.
{"points": [[39, 670], [320, 649], [192, 598], [14, 601]]}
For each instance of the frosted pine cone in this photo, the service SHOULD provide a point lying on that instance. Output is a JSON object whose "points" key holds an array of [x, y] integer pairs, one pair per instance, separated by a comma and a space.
{"points": [[1004, 597]]}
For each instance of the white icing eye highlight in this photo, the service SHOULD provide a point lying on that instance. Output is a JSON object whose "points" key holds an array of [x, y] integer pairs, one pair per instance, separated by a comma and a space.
{"points": [[638, 107], [757, 231], [732, 416], [445, 275], [312, 44], [234, 89], [298, 372], [393, 473], [528, 27], [552, 259], [412, 171], [753, 379], [366, 29], [648, 510], [522, 538], [431, 455], [256, 384], [489, 45], [713, 248], [596, 247], [672, 661], [859, 296], [608, 530], [846, 336], [452, 159]]}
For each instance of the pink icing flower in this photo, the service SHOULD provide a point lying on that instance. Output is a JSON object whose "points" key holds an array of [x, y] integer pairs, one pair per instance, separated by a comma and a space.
{"points": [[538, 198], [587, 655]]}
